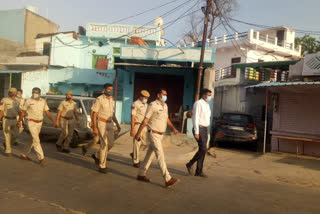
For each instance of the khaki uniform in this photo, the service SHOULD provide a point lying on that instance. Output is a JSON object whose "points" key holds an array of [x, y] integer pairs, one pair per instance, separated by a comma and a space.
{"points": [[104, 107], [138, 109], [66, 122], [10, 109], [35, 111], [157, 125]]}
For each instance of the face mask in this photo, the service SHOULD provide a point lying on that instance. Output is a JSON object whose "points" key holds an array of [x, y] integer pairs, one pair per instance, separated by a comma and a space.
{"points": [[164, 99], [108, 93], [35, 96], [18, 96], [68, 98], [208, 98], [144, 100]]}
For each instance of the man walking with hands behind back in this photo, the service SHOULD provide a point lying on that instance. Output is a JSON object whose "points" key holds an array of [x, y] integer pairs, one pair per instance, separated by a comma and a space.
{"points": [[67, 111], [157, 120], [201, 115]]}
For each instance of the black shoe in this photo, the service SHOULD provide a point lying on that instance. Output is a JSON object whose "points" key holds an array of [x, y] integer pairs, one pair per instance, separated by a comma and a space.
{"points": [[96, 160], [136, 165], [15, 144], [65, 150], [84, 150], [59, 148], [103, 170], [190, 170], [201, 175], [131, 155]]}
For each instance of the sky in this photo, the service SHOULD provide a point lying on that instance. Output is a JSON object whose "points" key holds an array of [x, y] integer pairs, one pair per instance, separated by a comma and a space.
{"points": [[69, 14]]}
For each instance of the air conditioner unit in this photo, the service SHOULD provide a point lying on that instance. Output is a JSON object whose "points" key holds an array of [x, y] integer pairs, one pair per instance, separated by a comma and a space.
{"points": [[311, 66]]}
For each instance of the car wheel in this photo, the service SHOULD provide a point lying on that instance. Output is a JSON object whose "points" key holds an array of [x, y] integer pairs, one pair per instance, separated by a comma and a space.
{"points": [[75, 140]]}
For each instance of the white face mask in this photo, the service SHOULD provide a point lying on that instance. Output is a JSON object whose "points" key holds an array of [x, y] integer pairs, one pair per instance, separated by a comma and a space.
{"points": [[144, 100], [208, 98], [35, 96]]}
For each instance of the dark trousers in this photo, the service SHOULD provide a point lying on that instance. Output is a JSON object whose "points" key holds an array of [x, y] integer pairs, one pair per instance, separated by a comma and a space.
{"points": [[200, 155]]}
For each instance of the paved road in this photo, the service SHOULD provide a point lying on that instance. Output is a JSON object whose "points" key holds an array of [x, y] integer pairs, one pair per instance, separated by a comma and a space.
{"points": [[71, 184]]}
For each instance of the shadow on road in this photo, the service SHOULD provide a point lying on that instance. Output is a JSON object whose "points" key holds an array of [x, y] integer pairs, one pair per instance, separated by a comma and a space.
{"points": [[305, 163]]}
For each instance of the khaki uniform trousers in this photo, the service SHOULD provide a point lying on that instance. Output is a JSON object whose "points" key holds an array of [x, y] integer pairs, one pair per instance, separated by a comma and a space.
{"points": [[137, 145], [94, 141], [34, 129], [155, 148], [10, 131], [106, 134], [67, 129]]}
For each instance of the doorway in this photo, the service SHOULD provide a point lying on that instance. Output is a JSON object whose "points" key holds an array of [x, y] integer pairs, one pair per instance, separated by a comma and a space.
{"points": [[151, 82]]}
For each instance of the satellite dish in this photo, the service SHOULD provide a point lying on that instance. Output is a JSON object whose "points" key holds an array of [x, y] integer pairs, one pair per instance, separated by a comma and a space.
{"points": [[158, 22]]}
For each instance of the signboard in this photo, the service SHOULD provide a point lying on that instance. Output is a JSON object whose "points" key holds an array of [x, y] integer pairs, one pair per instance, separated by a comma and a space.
{"points": [[123, 31], [184, 54]]}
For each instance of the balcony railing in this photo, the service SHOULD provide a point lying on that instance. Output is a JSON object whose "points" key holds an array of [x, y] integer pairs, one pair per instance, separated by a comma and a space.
{"points": [[252, 35], [226, 73]]}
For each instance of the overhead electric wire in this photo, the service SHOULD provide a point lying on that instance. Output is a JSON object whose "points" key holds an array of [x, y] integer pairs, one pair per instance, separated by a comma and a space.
{"points": [[145, 11]]}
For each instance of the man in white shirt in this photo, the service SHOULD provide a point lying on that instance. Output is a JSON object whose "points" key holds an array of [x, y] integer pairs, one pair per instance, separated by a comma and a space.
{"points": [[201, 115]]}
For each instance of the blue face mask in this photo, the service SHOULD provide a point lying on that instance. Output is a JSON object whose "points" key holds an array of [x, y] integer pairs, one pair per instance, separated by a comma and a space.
{"points": [[164, 99], [144, 100], [208, 98]]}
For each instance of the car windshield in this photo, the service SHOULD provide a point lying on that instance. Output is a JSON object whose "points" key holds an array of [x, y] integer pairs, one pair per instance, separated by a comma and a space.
{"points": [[238, 118], [88, 104]]}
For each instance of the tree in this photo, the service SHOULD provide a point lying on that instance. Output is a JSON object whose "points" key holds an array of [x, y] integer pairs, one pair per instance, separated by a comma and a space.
{"points": [[308, 44], [220, 10]]}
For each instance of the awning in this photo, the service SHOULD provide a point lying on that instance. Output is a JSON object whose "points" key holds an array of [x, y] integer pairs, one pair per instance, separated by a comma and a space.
{"points": [[279, 84], [281, 65], [10, 72]]}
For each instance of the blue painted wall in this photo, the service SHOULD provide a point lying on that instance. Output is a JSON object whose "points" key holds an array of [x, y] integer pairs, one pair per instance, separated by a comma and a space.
{"points": [[12, 24]]}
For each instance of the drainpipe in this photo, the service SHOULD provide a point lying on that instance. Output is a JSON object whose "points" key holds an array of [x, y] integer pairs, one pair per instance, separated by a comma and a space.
{"points": [[265, 122], [115, 92]]}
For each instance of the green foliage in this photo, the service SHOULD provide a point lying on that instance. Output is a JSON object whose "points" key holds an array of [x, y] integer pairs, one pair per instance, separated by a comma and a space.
{"points": [[308, 44]]}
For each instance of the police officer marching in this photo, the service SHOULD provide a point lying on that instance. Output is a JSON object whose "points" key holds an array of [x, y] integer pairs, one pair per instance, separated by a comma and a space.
{"points": [[156, 120], [9, 110], [35, 107], [67, 111], [21, 101], [138, 111], [103, 118]]}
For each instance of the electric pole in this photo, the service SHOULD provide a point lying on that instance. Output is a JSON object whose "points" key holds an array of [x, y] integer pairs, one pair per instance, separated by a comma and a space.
{"points": [[204, 39]]}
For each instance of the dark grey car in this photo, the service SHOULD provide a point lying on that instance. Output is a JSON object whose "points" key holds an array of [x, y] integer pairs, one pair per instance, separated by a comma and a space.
{"points": [[235, 127]]}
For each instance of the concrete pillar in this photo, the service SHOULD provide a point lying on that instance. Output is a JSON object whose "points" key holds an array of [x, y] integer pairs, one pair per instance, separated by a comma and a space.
{"points": [[209, 79], [276, 41], [250, 34], [300, 48], [215, 40], [224, 39], [267, 38], [258, 35]]}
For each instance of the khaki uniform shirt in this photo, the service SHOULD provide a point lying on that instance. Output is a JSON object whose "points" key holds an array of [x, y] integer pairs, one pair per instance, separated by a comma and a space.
{"points": [[138, 109], [35, 108], [21, 102], [67, 109], [158, 116], [104, 107], [9, 107]]}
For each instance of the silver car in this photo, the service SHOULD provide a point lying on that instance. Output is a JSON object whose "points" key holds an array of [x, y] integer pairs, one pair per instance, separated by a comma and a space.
{"points": [[82, 133]]}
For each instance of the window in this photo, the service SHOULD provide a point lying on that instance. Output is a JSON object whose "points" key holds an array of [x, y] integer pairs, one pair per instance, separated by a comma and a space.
{"points": [[95, 59], [238, 118], [53, 104], [46, 48], [87, 105]]}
